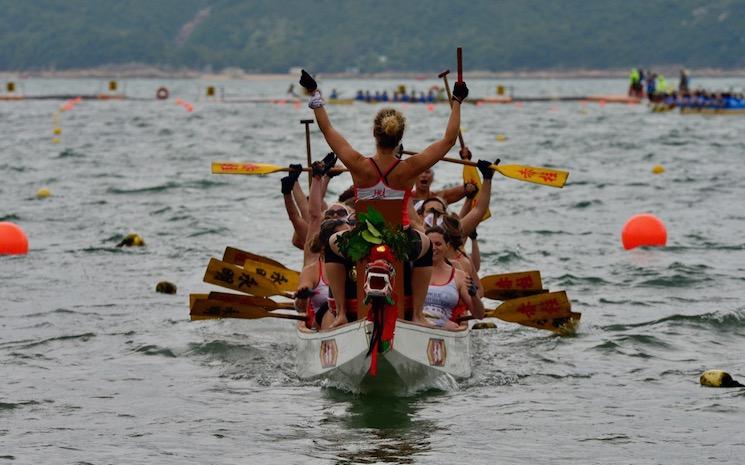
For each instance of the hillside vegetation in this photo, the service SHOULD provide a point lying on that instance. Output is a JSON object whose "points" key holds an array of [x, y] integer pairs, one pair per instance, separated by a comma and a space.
{"points": [[371, 36]]}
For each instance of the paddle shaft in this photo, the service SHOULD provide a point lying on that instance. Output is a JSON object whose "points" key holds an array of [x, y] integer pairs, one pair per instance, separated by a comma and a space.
{"points": [[257, 169], [448, 159], [307, 123], [459, 56], [211, 308]]}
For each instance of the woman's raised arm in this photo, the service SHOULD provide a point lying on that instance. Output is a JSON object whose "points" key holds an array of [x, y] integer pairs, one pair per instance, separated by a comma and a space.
{"points": [[339, 145]]}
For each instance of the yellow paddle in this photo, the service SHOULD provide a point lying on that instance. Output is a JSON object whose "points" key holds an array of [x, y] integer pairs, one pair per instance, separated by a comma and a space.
{"points": [[204, 309], [512, 285], [537, 175], [226, 167], [234, 277], [550, 311], [268, 304]]}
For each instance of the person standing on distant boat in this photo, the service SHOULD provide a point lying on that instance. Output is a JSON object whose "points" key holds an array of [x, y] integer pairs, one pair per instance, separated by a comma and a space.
{"points": [[683, 84], [385, 177]]}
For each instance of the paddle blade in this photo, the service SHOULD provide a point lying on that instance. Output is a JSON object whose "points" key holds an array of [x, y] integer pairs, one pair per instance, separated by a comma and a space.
{"points": [[512, 285], [544, 176], [268, 304], [234, 277], [284, 279], [550, 311], [239, 257], [224, 167], [213, 309]]}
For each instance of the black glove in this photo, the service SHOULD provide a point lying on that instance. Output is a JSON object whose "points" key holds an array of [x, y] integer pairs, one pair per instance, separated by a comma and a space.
{"points": [[465, 153], [303, 293], [329, 162], [460, 91], [473, 235], [484, 165], [307, 81], [295, 170], [318, 169], [470, 189], [287, 184]]}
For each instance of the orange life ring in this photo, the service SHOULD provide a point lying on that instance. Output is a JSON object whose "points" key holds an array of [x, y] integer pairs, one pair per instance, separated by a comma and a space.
{"points": [[162, 93]]}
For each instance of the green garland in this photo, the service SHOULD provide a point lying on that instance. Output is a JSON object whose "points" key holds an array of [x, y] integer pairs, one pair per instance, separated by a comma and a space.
{"points": [[370, 231]]}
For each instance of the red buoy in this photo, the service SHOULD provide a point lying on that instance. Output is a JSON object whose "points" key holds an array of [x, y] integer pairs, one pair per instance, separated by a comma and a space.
{"points": [[13, 240], [644, 229]]}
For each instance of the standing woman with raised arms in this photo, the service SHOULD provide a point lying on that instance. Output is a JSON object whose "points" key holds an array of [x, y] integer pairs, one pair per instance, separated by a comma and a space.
{"points": [[386, 177]]}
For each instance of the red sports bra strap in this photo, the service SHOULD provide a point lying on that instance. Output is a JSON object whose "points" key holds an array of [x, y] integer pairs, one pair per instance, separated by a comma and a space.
{"points": [[390, 168], [376, 167], [452, 273]]}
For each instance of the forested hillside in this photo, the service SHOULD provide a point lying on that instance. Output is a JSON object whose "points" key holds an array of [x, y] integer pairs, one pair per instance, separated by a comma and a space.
{"points": [[370, 36]]}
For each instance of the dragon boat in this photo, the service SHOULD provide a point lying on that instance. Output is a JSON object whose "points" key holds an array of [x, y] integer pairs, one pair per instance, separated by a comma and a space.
{"points": [[381, 350]]}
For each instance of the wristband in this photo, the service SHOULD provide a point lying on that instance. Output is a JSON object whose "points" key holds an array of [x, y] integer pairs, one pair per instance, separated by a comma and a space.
{"points": [[316, 100]]}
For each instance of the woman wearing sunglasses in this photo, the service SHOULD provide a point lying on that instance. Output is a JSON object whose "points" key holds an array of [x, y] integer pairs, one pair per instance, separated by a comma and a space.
{"points": [[385, 177]]}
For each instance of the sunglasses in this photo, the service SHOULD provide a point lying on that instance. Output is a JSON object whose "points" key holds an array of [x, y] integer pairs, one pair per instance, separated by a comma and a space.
{"points": [[336, 213], [434, 211]]}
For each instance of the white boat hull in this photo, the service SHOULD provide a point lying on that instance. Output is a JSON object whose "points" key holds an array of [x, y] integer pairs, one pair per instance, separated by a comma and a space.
{"points": [[421, 358]]}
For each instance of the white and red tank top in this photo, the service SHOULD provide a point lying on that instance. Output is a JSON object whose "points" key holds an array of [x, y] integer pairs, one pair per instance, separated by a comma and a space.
{"points": [[382, 191]]}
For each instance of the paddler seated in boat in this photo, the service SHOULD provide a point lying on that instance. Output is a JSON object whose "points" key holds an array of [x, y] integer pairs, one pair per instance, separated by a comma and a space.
{"points": [[360, 96], [432, 209], [313, 291], [449, 294], [385, 177], [423, 185], [434, 213]]}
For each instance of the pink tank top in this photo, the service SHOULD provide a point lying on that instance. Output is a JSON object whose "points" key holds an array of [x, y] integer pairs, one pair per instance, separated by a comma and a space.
{"points": [[382, 191]]}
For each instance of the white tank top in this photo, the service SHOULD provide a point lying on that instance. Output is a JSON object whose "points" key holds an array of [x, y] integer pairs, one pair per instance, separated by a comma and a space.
{"points": [[320, 292], [441, 300]]}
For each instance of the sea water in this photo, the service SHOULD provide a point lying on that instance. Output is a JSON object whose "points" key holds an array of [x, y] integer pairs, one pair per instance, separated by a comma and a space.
{"points": [[96, 367]]}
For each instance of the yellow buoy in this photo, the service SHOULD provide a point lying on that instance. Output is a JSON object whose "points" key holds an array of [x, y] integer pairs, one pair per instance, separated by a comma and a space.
{"points": [[501, 137], [57, 130], [132, 240], [165, 287], [43, 193], [658, 169], [484, 325], [718, 378]]}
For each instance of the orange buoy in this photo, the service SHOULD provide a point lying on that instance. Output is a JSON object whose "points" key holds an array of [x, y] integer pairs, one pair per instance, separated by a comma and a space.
{"points": [[644, 229], [13, 240]]}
